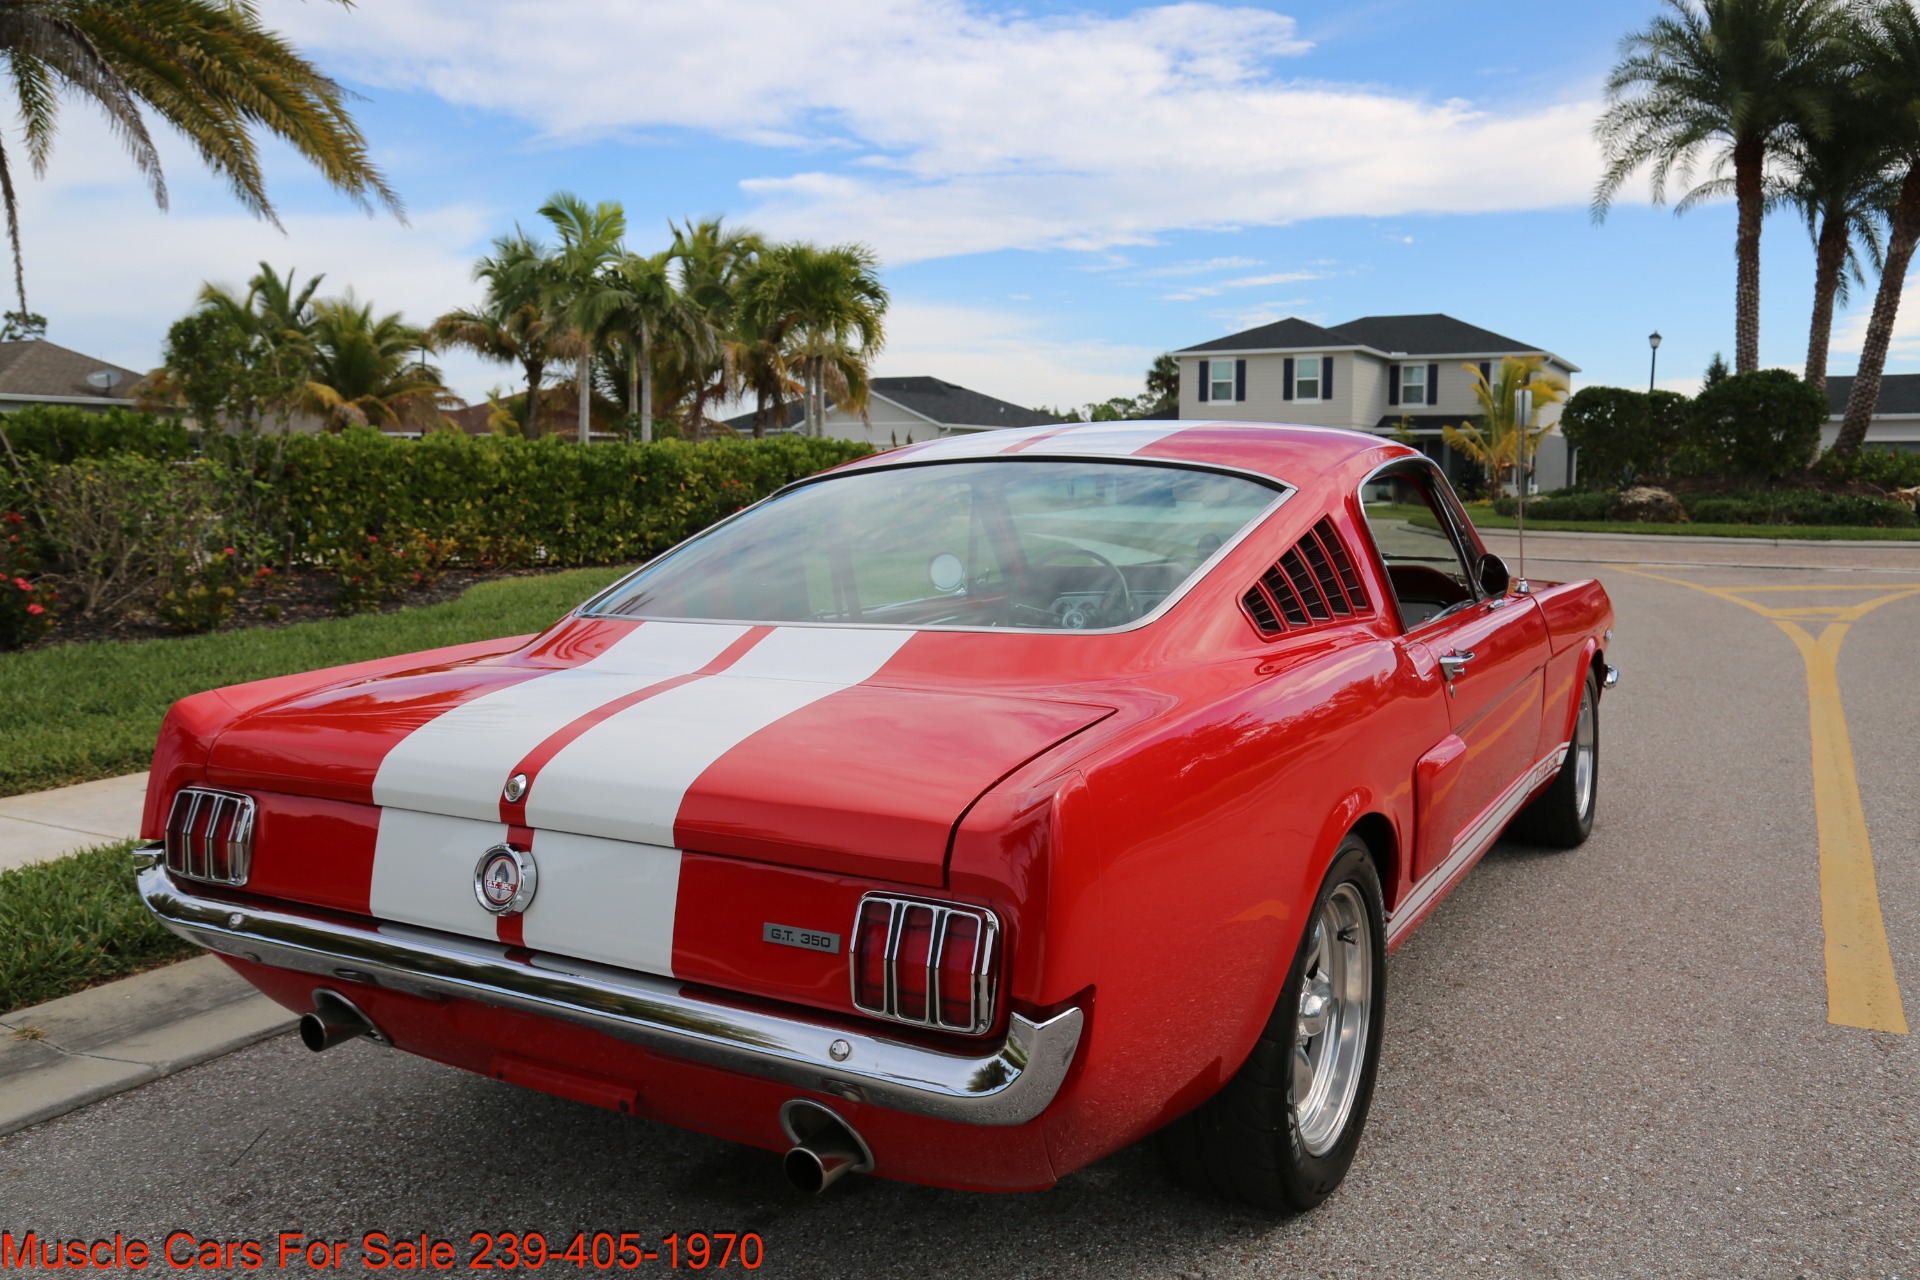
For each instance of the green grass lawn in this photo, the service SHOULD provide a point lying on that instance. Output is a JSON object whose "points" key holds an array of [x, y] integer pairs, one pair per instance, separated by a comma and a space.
{"points": [[1485, 518], [74, 923], [76, 712]]}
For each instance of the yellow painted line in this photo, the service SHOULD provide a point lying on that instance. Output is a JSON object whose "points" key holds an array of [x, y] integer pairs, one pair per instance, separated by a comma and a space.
{"points": [[1862, 990]]}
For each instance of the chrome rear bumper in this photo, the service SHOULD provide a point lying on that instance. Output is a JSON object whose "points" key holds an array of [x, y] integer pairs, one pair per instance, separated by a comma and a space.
{"points": [[1007, 1084]]}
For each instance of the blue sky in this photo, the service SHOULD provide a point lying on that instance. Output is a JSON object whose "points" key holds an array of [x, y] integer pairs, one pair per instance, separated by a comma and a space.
{"points": [[1057, 192]]}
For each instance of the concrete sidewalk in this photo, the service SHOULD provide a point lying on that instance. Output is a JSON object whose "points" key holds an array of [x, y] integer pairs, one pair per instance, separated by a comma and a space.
{"points": [[52, 824], [64, 1054]]}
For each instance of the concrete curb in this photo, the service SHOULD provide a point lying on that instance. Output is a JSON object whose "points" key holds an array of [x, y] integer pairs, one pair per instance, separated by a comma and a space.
{"points": [[60, 1056]]}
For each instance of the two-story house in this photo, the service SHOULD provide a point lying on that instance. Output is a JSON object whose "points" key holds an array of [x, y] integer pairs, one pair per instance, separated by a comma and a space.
{"points": [[1380, 374]]}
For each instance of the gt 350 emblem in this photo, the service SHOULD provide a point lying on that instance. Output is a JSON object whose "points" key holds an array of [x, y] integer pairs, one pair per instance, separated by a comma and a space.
{"points": [[807, 939], [504, 880]]}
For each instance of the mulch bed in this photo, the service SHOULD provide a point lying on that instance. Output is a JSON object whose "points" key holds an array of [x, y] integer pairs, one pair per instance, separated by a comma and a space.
{"points": [[278, 601]]}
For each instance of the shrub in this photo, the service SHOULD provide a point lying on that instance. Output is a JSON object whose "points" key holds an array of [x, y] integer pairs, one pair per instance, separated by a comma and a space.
{"points": [[1881, 468], [1764, 425], [63, 433], [1623, 435], [204, 592], [1798, 506], [1561, 506], [375, 570], [26, 604]]}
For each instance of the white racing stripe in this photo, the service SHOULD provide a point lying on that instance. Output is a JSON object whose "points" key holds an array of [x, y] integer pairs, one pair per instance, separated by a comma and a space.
{"points": [[605, 900], [626, 777], [423, 865], [458, 762], [1105, 440]]}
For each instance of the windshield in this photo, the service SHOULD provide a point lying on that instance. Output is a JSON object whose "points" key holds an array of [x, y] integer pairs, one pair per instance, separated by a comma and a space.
{"points": [[1029, 544]]}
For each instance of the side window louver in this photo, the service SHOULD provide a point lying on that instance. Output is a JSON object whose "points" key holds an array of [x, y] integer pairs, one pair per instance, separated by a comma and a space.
{"points": [[1314, 582]]}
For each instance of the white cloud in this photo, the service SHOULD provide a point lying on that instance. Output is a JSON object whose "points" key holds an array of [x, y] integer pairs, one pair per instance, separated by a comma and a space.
{"points": [[1008, 354], [1205, 267], [1850, 332], [969, 131], [1243, 282]]}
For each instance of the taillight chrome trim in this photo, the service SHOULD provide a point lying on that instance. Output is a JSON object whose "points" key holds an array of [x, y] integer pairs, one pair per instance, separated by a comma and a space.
{"points": [[982, 970], [195, 858]]}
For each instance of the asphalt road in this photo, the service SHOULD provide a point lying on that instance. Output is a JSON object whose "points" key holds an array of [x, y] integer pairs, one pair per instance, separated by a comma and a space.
{"points": [[1609, 1062]]}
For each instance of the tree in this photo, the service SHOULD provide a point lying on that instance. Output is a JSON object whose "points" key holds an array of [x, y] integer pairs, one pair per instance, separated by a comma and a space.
{"points": [[1163, 385], [19, 326], [1761, 425], [1716, 371], [646, 311], [1728, 82], [833, 309], [582, 291], [369, 370], [1623, 434], [1839, 184], [716, 264], [514, 323], [241, 357], [208, 68], [1502, 439], [1886, 49]]}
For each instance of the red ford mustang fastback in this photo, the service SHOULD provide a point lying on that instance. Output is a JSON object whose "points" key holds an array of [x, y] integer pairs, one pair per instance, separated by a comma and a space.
{"points": [[963, 814]]}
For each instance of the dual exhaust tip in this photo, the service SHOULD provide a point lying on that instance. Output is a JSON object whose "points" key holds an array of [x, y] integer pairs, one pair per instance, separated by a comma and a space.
{"points": [[825, 1147], [334, 1021]]}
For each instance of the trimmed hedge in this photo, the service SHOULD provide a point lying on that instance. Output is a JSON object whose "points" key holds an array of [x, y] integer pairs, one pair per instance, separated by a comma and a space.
{"points": [[1797, 506], [1764, 425], [1561, 506], [62, 433]]}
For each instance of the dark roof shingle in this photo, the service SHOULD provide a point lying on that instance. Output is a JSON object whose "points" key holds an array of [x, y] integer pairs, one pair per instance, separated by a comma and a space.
{"points": [[943, 402], [1899, 393], [1434, 334], [36, 367], [1280, 335]]}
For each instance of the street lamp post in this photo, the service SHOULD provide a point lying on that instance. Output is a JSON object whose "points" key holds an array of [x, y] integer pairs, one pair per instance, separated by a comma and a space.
{"points": [[1653, 340]]}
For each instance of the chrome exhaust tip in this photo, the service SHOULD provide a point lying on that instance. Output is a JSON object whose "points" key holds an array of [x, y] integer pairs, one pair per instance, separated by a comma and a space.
{"points": [[825, 1147], [335, 1020]]}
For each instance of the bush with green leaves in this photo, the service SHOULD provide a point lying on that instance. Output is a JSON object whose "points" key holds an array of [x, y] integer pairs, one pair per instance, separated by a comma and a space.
{"points": [[1797, 506], [63, 433], [1881, 468], [1763, 425], [1624, 435], [26, 601], [1561, 506]]}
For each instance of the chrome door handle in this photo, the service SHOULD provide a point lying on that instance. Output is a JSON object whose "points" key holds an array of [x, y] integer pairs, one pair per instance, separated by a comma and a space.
{"points": [[1451, 663]]}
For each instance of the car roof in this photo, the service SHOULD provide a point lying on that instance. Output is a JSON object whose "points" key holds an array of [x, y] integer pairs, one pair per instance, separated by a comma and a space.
{"points": [[1290, 453]]}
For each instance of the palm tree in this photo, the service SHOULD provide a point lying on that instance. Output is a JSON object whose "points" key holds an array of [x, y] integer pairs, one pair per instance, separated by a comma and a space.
{"points": [[1501, 441], [263, 337], [833, 308], [1840, 186], [648, 311], [715, 262], [1725, 81], [514, 322], [369, 371], [582, 290], [208, 68], [1886, 47]]}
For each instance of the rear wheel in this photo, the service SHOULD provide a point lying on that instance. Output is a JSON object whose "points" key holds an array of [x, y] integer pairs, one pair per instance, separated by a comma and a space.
{"points": [[1283, 1131], [1562, 815]]}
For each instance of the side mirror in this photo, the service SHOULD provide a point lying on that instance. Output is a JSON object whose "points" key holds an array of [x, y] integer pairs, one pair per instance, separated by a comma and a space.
{"points": [[1494, 576]]}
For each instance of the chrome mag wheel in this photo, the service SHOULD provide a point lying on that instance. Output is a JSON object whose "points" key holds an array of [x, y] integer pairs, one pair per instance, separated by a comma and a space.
{"points": [[1584, 739], [1330, 1031]]}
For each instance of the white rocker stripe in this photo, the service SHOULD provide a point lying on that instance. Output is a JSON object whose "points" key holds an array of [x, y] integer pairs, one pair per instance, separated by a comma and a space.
{"points": [[457, 762], [1474, 841], [625, 778]]}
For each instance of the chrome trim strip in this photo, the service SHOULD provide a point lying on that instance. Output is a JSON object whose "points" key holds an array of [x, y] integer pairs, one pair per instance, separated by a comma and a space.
{"points": [[1284, 491], [1474, 841], [1005, 1084]]}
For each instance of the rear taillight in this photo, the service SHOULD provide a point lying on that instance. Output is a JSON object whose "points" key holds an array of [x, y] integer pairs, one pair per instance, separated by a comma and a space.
{"points": [[931, 964], [210, 835]]}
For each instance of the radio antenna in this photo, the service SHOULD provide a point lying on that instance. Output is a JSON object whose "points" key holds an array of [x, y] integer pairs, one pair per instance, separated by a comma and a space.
{"points": [[1522, 416]]}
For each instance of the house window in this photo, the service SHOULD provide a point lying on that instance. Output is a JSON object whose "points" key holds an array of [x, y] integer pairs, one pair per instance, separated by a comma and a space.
{"points": [[1306, 379], [1220, 375], [1413, 384]]}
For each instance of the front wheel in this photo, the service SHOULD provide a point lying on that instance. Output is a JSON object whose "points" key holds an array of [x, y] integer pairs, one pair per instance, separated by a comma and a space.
{"points": [[1562, 815], [1282, 1133]]}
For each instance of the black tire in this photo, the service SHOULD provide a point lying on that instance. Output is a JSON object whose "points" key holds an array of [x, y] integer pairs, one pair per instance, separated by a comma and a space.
{"points": [[1246, 1143], [1561, 817]]}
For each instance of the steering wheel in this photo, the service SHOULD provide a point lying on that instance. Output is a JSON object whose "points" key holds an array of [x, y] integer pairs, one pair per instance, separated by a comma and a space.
{"points": [[1106, 601]]}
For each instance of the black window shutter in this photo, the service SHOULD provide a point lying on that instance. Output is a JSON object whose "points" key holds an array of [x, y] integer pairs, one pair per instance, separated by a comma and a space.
{"points": [[1326, 377], [1433, 384], [1206, 373], [1239, 379], [1286, 379], [1393, 384], [1486, 372]]}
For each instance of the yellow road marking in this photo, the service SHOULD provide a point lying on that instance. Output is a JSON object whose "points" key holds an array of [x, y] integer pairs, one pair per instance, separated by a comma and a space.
{"points": [[1861, 988]]}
